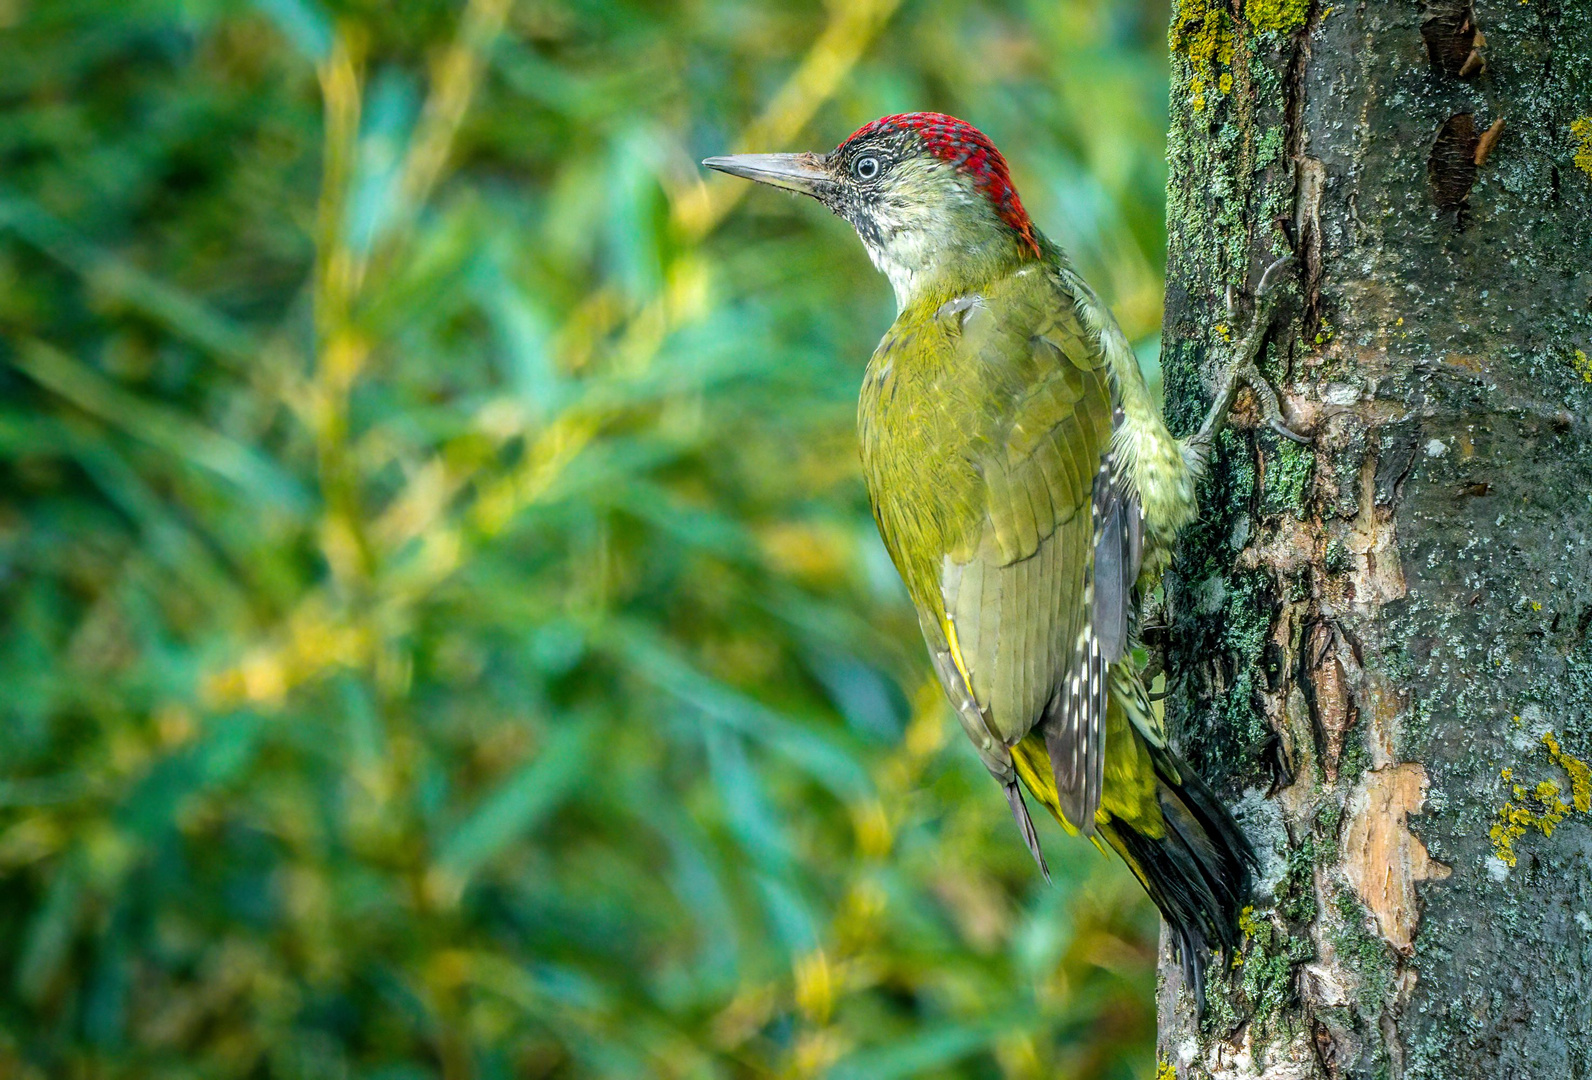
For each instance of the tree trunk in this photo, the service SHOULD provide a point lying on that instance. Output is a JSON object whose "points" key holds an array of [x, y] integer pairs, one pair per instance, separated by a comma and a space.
{"points": [[1380, 645]]}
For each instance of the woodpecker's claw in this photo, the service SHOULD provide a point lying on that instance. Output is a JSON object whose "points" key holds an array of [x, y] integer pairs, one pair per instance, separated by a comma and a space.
{"points": [[1266, 282], [1270, 406], [1290, 434]]}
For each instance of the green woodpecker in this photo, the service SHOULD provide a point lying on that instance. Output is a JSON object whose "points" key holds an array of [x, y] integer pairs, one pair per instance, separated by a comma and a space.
{"points": [[1029, 493]]}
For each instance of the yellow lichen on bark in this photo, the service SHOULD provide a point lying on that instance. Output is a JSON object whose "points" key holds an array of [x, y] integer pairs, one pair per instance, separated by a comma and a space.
{"points": [[1279, 15], [1542, 808], [1581, 364], [1581, 130], [1203, 32], [1579, 772]]}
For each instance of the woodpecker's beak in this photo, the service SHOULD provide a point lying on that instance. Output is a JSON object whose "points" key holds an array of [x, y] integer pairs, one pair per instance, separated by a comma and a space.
{"points": [[793, 172]]}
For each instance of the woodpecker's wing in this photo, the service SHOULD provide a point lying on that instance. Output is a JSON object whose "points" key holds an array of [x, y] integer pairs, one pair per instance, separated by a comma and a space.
{"points": [[1022, 591]]}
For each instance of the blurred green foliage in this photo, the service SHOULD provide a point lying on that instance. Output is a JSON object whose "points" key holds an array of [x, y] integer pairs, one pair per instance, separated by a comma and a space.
{"points": [[441, 628]]}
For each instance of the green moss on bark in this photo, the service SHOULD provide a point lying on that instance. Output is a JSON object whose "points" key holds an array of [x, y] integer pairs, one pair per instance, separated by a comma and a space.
{"points": [[1287, 479]]}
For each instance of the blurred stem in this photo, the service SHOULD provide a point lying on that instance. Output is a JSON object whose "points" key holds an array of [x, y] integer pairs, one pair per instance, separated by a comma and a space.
{"points": [[851, 29], [342, 350], [454, 78], [854, 962], [339, 350], [848, 960]]}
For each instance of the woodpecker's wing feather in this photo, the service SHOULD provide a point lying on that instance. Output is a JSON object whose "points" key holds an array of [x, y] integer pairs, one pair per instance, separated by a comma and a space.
{"points": [[990, 749], [1118, 554], [1018, 593], [985, 419], [996, 757]]}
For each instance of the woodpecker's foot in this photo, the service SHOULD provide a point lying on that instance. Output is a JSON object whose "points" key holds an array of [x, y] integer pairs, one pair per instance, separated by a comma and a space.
{"points": [[1243, 372]]}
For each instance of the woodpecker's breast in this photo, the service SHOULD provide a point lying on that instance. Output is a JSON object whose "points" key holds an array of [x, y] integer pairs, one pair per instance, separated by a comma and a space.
{"points": [[915, 427]]}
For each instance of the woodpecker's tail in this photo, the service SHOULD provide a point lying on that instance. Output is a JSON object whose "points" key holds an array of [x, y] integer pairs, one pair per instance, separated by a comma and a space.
{"points": [[1199, 870]]}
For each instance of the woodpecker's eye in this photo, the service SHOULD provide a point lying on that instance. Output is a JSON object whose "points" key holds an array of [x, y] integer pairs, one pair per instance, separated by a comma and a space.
{"points": [[865, 168]]}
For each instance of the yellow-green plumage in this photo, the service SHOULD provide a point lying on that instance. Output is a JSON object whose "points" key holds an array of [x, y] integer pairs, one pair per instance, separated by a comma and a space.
{"points": [[987, 413], [984, 420], [1027, 490]]}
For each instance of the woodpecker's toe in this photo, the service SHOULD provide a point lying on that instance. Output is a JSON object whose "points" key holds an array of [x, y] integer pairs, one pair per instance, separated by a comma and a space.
{"points": [[1270, 405]]}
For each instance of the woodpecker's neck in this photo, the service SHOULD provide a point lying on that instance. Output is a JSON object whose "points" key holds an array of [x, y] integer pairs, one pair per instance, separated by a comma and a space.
{"points": [[922, 262]]}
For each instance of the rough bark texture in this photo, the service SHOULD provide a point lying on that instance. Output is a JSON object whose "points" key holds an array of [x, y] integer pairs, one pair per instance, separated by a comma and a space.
{"points": [[1381, 645]]}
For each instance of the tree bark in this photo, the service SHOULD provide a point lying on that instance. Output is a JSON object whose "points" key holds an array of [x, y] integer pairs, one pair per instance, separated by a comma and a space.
{"points": [[1380, 645]]}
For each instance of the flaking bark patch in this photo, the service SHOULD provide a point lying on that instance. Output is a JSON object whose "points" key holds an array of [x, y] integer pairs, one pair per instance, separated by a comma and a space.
{"points": [[1377, 576], [1382, 858], [1333, 707]]}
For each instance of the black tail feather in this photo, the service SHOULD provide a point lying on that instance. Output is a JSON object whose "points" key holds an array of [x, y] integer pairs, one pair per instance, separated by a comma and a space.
{"points": [[1199, 872]]}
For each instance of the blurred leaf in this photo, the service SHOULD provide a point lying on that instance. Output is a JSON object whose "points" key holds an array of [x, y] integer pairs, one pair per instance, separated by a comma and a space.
{"points": [[804, 746], [519, 803], [913, 1057], [304, 23], [162, 428], [113, 278]]}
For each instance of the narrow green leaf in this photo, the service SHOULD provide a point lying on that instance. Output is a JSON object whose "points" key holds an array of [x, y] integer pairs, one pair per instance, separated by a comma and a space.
{"points": [[522, 802], [187, 316], [164, 428], [914, 1056], [304, 24]]}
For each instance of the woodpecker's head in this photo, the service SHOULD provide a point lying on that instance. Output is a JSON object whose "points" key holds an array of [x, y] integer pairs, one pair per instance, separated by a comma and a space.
{"points": [[929, 195]]}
